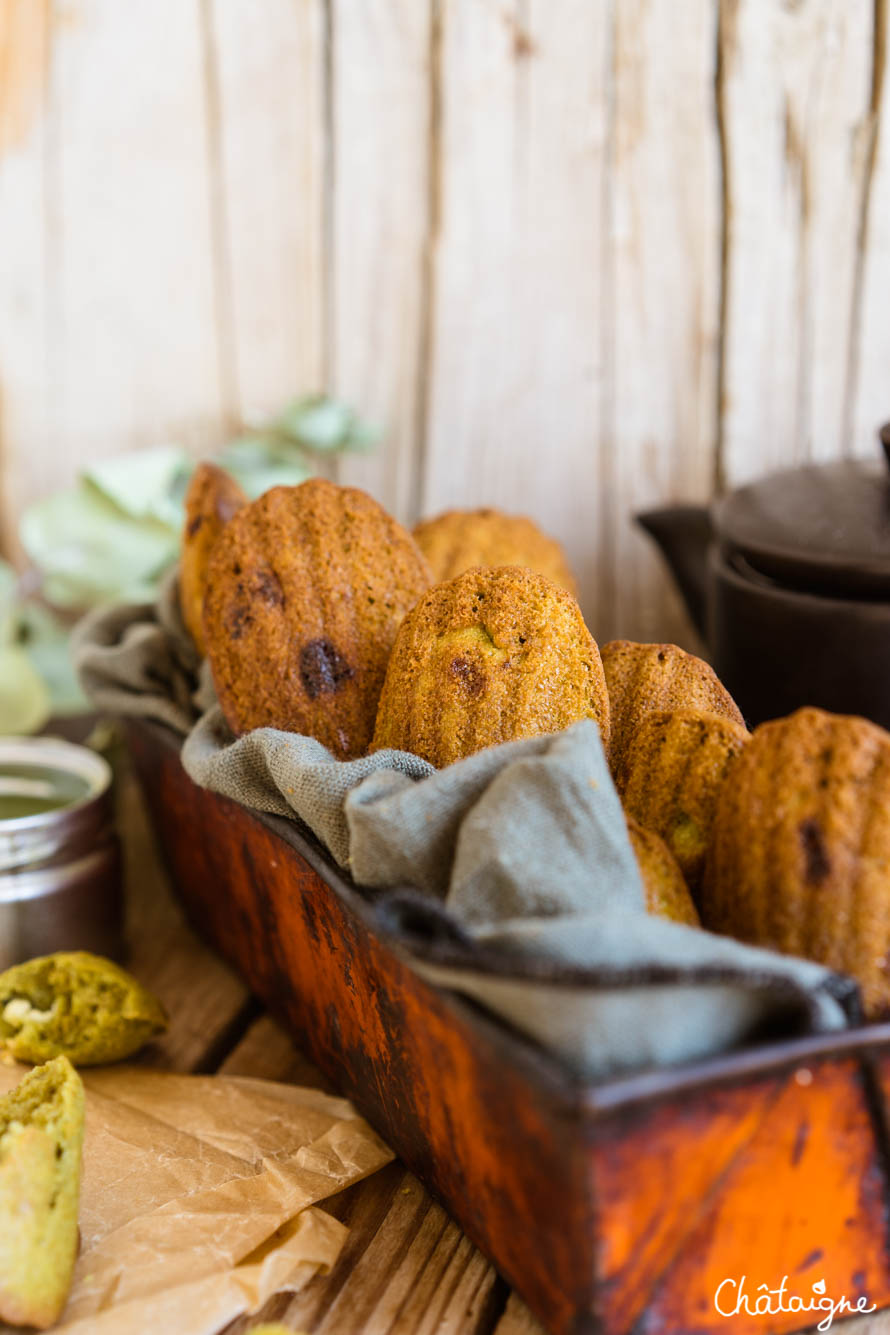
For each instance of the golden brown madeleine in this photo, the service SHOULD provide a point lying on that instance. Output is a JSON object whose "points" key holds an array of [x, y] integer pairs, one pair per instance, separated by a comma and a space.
{"points": [[667, 894], [674, 768], [496, 654], [461, 539], [306, 589], [210, 502], [647, 677], [800, 849]]}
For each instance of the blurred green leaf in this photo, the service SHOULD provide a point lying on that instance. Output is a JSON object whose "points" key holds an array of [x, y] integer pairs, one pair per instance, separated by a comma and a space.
{"points": [[257, 464], [47, 642], [90, 551], [143, 483], [322, 424], [24, 698]]}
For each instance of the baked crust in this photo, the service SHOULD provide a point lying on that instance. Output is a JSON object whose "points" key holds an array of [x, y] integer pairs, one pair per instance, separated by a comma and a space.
{"points": [[667, 894], [675, 766], [306, 588], [643, 678], [800, 852], [491, 656], [458, 540], [212, 499]]}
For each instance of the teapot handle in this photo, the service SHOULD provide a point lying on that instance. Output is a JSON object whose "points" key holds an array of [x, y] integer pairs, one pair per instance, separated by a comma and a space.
{"points": [[884, 438]]}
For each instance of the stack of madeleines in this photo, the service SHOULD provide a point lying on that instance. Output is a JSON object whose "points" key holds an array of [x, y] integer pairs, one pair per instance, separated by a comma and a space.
{"points": [[320, 614]]}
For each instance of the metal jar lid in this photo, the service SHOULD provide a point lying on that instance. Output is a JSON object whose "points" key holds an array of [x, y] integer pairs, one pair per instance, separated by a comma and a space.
{"points": [[77, 784]]}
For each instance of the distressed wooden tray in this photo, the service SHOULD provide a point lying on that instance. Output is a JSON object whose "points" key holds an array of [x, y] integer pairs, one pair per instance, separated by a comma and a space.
{"points": [[617, 1208]]}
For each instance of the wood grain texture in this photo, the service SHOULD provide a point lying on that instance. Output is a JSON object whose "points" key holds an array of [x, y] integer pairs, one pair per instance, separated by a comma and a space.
{"points": [[207, 1004], [517, 357], [664, 197], [25, 148], [794, 98], [872, 350], [130, 288], [576, 260], [265, 88], [383, 160]]}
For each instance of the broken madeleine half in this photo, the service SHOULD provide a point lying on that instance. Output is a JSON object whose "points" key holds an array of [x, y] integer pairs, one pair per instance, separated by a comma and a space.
{"points": [[77, 1005], [41, 1138]]}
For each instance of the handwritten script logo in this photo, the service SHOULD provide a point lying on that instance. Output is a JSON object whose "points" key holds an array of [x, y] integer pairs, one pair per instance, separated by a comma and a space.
{"points": [[733, 1296]]}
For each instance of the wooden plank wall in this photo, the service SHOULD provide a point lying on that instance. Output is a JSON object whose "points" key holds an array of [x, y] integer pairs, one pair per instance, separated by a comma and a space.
{"points": [[579, 258]]}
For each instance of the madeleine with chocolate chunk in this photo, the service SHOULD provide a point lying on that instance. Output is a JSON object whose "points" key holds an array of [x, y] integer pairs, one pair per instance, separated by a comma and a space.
{"points": [[496, 654], [800, 851], [210, 502], [306, 588]]}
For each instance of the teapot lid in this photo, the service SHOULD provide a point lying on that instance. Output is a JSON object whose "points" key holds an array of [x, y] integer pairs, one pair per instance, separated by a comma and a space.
{"points": [[823, 528]]}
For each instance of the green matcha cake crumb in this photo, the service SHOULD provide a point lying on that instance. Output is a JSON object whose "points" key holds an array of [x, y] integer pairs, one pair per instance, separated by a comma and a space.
{"points": [[76, 1005], [41, 1137]]}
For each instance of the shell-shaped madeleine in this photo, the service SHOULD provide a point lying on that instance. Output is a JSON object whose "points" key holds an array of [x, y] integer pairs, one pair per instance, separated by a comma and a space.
{"points": [[800, 850], [212, 498], [643, 678], [458, 540], [493, 655], [306, 589], [667, 894], [674, 768]]}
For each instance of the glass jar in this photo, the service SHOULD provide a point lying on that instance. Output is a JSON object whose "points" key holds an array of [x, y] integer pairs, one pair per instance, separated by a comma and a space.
{"points": [[60, 857]]}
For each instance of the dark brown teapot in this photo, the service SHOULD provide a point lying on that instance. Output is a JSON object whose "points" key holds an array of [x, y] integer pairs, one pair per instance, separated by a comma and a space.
{"points": [[788, 580]]}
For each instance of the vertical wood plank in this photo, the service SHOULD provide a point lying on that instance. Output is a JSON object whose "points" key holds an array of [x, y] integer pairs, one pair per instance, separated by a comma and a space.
{"points": [[131, 295], [872, 354], [25, 37], [665, 253], [267, 127], [516, 393], [794, 95], [381, 155]]}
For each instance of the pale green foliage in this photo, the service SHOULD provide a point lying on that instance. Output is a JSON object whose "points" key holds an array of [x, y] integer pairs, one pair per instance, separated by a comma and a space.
{"points": [[111, 536]]}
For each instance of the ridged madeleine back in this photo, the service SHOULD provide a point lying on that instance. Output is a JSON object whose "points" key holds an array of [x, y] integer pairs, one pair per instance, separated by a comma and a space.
{"points": [[306, 590], [458, 540], [212, 499], [643, 678], [800, 851], [675, 767], [667, 894], [494, 655]]}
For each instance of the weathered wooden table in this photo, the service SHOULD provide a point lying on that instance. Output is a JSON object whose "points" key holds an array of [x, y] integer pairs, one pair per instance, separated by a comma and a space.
{"points": [[406, 1268]]}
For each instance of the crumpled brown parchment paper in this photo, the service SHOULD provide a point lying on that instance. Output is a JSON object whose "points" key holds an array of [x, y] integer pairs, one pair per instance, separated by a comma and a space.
{"points": [[199, 1194]]}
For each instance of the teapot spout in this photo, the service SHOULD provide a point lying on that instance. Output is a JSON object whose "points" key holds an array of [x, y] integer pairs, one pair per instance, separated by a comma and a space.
{"points": [[683, 534]]}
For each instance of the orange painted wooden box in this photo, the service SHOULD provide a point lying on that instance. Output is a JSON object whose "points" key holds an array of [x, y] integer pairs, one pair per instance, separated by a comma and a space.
{"points": [[633, 1206]]}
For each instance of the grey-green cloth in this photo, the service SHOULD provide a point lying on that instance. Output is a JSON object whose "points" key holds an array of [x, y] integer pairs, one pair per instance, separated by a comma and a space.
{"points": [[508, 876]]}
